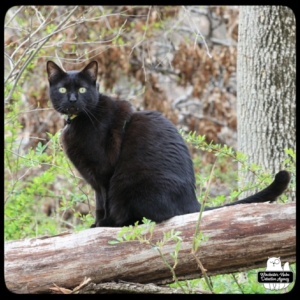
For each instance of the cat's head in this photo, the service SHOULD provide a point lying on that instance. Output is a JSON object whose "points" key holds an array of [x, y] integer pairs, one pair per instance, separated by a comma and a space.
{"points": [[273, 262], [73, 92]]}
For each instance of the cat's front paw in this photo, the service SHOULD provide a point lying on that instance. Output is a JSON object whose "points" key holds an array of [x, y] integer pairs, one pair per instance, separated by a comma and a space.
{"points": [[96, 224], [93, 225]]}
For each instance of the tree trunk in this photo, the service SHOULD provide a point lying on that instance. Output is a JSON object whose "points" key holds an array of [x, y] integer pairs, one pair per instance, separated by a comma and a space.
{"points": [[266, 85], [239, 237]]}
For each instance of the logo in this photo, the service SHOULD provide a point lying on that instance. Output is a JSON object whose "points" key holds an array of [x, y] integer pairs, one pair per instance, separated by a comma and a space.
{"points": [[275, 277]]}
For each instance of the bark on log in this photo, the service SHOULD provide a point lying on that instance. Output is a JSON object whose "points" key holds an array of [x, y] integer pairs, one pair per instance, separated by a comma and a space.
{"points": [[240, 237], [124, 287]]}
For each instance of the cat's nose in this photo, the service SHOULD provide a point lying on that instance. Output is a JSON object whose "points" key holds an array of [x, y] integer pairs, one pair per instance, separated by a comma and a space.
{"points": [[73, 98]]}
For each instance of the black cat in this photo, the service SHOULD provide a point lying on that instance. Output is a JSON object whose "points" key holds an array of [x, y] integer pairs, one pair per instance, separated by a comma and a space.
{"points": [[137, 163]]}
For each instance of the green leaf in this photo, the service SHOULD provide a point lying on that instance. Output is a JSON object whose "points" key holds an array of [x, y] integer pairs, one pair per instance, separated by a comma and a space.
{"points": [[113, 242]]}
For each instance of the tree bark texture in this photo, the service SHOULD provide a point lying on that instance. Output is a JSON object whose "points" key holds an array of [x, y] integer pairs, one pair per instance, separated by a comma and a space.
{"points": [[239, 237], [266, 86], [123, 287]]}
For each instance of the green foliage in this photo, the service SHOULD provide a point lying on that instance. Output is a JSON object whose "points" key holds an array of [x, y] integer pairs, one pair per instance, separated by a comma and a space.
{"points": [[86, 221], [222, 153], [143, 233], [199, 238], [29, 177], [136, 232]]}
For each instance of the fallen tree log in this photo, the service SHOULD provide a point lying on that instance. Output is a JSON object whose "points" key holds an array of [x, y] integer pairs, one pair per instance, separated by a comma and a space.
{"points": [[240, 237]]}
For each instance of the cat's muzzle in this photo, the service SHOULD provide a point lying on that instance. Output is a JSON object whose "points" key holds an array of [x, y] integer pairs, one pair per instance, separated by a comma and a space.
{"points": [[72, 110]]}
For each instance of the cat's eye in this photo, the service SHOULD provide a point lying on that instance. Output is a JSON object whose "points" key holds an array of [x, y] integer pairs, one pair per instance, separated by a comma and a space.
{"points": [[62, 90], [82, 90]]}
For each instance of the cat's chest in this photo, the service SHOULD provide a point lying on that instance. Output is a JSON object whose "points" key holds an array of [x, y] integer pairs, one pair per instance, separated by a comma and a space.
{"points": [[87, 151], [83, 144]]}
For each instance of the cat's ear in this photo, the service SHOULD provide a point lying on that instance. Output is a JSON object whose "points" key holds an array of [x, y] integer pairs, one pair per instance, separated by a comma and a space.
{"points": [[53, 70], [91, 70]]}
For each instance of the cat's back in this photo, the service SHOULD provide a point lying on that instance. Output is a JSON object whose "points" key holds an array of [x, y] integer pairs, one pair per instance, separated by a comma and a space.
{"points": [[151, 123], [152, 141], [154, 175], [151, 128]]}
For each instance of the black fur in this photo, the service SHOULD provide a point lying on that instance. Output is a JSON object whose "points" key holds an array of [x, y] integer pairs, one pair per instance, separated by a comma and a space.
{"points": [[137, 163]]}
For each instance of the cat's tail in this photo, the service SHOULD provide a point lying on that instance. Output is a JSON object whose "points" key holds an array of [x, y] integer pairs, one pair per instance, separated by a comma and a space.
{"points": [[269, 194]]}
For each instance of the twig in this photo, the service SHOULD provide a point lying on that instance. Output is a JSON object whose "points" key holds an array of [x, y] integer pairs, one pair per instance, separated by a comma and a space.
{"points": [[41, 127], [26, 111], [11, 62], [237, 283], [15, 182], [28, 60], [87, 197], [99, 42], [204, 117], [26, 40], [105, 18], [182, 98], [17, 11], [41, 163], [169, 266], [65, 222], [173, 26], [31, 46], [188, 103], [153, 68], [143, 52], [38, 15], [195, 247], [145, 31], [198, 32]]}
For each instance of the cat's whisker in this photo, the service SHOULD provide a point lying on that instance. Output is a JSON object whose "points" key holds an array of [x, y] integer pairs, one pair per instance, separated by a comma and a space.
{"points": [[89, 114]]}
